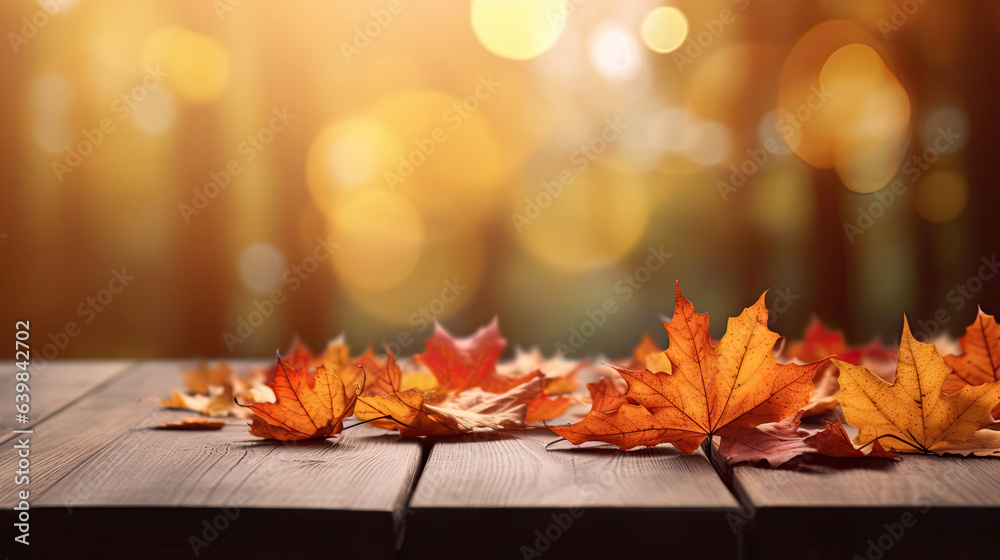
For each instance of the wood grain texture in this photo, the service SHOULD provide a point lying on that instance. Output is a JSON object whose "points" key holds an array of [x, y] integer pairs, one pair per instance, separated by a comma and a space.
{"points": [[921, 506], [504, 497], [55, 387], [65, 440], [340, 496]]}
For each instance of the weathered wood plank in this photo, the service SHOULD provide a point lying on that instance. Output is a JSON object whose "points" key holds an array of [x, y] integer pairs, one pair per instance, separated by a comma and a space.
{"points": [[508, 497], [55, 387], [921, 506], [65, 440], [165, 489]]}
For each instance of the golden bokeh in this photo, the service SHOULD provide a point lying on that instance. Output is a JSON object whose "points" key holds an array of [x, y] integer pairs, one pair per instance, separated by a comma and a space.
{"points": [[802, 120], [867, 117], [381, 237], [664, 29], [347, 155], [518, 29], [592, 222], [197, 65], [427, 143], [447, 276]]}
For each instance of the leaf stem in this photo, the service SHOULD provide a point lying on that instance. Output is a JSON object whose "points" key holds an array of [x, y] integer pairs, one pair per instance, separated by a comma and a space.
{"points": [[360, 422], [913, 444]]}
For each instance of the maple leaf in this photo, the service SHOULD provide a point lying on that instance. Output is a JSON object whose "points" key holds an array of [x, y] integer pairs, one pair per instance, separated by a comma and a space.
{"points": [[218, 403], [725, 389], [544, 407], [460, 364], [298, 356], [980, 359], [560, 373], [193, 423], [199, 379], [606, 395], [779, 442], [418, 413], [914, 413], [307, 405], [471, 393], [384, 377], [210, 391], [823, 398], [647, 354], [559, 380], [820, 342]]}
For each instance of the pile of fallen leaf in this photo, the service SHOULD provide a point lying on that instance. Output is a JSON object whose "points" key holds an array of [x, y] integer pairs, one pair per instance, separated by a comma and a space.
{"points": [[757, 399]]}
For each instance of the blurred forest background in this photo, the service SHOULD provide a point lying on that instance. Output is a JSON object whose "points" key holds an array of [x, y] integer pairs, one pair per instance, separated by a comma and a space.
{"points": [[211, 178]]}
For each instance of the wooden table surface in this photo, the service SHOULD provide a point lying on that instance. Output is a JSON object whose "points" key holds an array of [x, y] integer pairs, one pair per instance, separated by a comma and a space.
{"points": [[104, 484]]}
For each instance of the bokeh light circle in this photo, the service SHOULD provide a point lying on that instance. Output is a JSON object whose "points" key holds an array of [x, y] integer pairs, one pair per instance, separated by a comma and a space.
{"points": [[518, 29], [664, 29], [946, 122], [941, 196], [157, 112], [381, 238], [261, 266], [595, 220], [196, 65], [614, 52]]}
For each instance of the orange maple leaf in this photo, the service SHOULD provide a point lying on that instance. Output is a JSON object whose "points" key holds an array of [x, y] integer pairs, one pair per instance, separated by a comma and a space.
{"points": [[299, 356], [210, 391], [308, 406], [417, 413], [471, 392], [559, 380], [913, 412], [648, 355], [606, 395], [980, 360], [460, 364], [820, 342], [193, 423], [384, 377], [723, 390]]}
